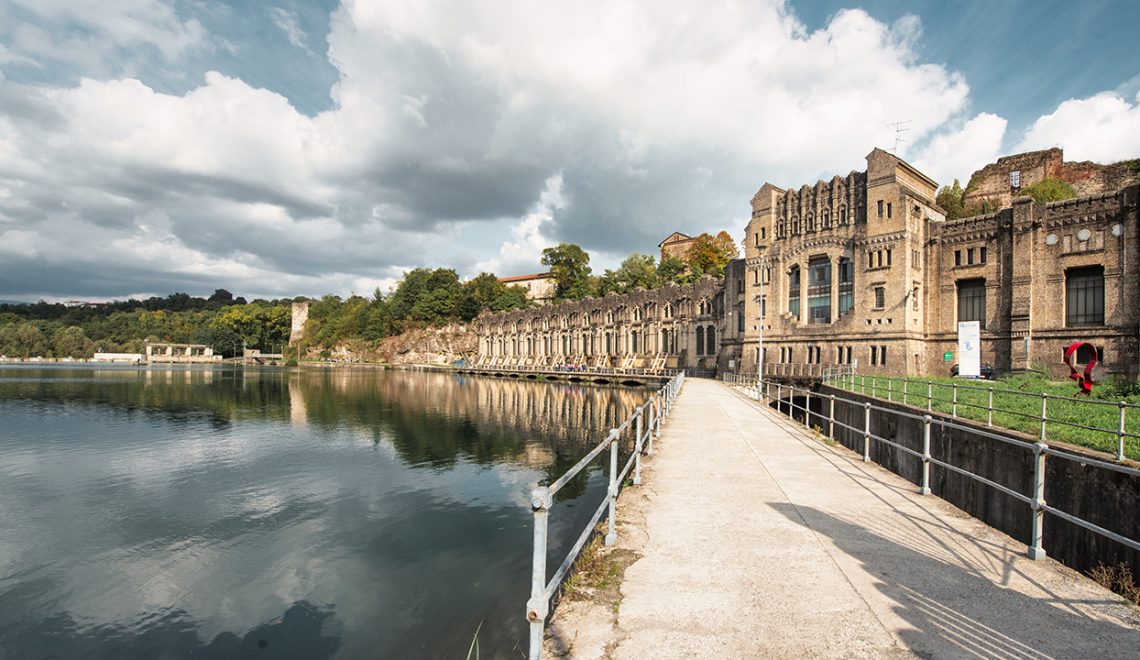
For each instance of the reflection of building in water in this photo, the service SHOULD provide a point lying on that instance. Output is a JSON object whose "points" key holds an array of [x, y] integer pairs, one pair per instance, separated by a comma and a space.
{"points": [[568, 413]]}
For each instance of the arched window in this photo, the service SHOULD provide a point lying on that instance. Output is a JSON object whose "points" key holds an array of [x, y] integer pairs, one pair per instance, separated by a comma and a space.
{"points": [[633, 342], [842, 215], [700, 340]]}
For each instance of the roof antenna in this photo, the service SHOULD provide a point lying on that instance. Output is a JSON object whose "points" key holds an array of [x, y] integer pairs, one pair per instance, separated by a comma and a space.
{"points": [[900, 128]]}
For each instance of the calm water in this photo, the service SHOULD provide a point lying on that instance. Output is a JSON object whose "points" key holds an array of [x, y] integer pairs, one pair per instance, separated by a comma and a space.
{"points": [[218, 513]]}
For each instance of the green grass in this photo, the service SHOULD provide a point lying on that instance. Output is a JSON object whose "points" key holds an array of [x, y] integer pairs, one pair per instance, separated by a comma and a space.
{"points": [[1021, 411]]}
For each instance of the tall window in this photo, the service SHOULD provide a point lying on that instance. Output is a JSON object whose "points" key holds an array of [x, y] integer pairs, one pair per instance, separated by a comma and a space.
{"points": [[740, 317], [700, 340], [1084, 296], [794, 291], [972, 300], [846, 285], [710, 340], [819, 290], [880, 297]]}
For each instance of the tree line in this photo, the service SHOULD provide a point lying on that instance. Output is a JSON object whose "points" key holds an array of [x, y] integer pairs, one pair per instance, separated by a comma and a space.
{"points": [[424, 297]]}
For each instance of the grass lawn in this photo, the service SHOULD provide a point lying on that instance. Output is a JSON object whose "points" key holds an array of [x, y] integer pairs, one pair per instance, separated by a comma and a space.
{"points": [[1017, 406]]}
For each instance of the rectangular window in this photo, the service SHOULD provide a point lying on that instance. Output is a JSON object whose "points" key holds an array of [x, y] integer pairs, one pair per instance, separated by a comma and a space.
{"points": [[1084, 296], [883, 356], [757, 240], [969, 256], [914, 294], [848, 355], [982, 255], [957, 257], [972, 300], [888, 257], [794, 291], [874, 355], [838, 355], [888, 209], [740, 317], [756, 277], [819, 290], [880, 208], [870, 259], [880, 297], [763, 233], [846, 286], [763, 306]]}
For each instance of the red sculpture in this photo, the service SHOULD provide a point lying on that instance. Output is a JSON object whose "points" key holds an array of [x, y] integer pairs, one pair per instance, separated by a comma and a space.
{"points": [[1085, 379]]}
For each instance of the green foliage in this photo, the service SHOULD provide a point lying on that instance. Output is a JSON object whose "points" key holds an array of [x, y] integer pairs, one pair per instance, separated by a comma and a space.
{"points": [[1132, 165], [638, 270], [570, 267], [1049, 190], [950, 198], [710, 254], [671, 269]]}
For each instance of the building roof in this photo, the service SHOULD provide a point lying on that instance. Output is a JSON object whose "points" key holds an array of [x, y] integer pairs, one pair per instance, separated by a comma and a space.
{"points": [[523, 278], [678, 235]]}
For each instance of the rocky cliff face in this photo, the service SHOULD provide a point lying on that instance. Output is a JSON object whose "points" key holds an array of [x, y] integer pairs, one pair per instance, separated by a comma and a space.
{"points": [[421, 346]]}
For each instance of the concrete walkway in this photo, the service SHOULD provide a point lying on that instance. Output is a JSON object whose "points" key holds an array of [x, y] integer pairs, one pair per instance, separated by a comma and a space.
{"points": [[756, 540]]}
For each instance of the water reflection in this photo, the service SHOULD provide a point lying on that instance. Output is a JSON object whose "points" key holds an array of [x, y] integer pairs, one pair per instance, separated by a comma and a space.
{"points": [[176, 513]]}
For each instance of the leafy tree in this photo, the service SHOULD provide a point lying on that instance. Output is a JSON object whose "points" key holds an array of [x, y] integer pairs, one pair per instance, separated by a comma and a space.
{"points": [[221, 298], [952, 200], [710, 254], [671, 269], [570, 267], [23, 340], [72, 342], [638, 270], [1049, 190]]}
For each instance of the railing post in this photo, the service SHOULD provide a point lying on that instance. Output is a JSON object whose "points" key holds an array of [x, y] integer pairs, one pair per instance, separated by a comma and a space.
{"points": [[779, 397], [874, 386], [954, 401], [990, 408], [890, 395], [831, 418], [866, 431], [925, 490], [929, 395], [905, 381], [538, 607], [807, 408], [1044, 406], [1036, 551], [1120, 433], [863, 384], [658, 416], [637, 446], [611, 534]]}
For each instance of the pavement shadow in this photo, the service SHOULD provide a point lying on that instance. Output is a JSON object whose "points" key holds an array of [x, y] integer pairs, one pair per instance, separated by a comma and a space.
{"points": [[952, 611]]}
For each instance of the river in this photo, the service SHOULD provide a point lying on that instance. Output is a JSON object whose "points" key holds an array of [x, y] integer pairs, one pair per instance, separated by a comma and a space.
{"points": [[281, 513]]}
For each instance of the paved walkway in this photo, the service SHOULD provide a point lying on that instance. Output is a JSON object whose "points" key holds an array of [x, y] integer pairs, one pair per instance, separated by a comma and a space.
{"points": [[756, 540]]}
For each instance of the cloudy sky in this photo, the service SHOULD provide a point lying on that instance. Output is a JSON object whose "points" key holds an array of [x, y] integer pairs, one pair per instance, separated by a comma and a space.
{"points": [[307, 147]]}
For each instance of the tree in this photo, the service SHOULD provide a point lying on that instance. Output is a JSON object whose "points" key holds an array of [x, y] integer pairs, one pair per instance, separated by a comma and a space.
{"points": [[952, 200], [72, 342], [671, 269], [638, 270], [710, 254], [221, 298], [570, 267]]}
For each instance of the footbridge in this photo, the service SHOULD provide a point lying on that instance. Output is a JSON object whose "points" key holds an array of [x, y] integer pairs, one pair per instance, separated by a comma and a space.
{"points": [[752, 535]]}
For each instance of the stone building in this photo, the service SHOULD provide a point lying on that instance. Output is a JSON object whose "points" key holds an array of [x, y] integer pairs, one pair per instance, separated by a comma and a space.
{"points": [[842, 266], [996, 185], [667, 328], [865, 270], [540, 287], [676, 245]]}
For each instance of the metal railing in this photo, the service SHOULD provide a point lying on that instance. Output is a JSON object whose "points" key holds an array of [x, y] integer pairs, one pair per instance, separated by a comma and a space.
{"points": [[1040, 450], [587, 371], [646, 420], [903, 391]]}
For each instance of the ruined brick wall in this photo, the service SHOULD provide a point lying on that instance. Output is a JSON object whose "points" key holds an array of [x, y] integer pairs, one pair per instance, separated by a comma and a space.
{"points": [[990, 187]]}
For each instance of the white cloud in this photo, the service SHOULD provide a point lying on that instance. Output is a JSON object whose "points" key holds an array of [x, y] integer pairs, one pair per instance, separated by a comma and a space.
{"points": [[287, 22], [956, 154], [647, 118], [523, 250], [1103, 128]]}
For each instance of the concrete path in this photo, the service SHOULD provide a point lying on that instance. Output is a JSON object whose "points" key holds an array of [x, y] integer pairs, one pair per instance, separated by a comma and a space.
{"points": [[757, 540]]}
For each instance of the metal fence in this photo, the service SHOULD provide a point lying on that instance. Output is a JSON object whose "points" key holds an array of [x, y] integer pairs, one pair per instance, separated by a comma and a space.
{"points": [[1040, 450], [570, 371], [646, 421], [970, 398]]}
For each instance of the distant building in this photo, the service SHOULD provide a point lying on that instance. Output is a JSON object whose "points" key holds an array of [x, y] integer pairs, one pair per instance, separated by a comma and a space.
{"points": [[677, 245], [540, 287]]}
